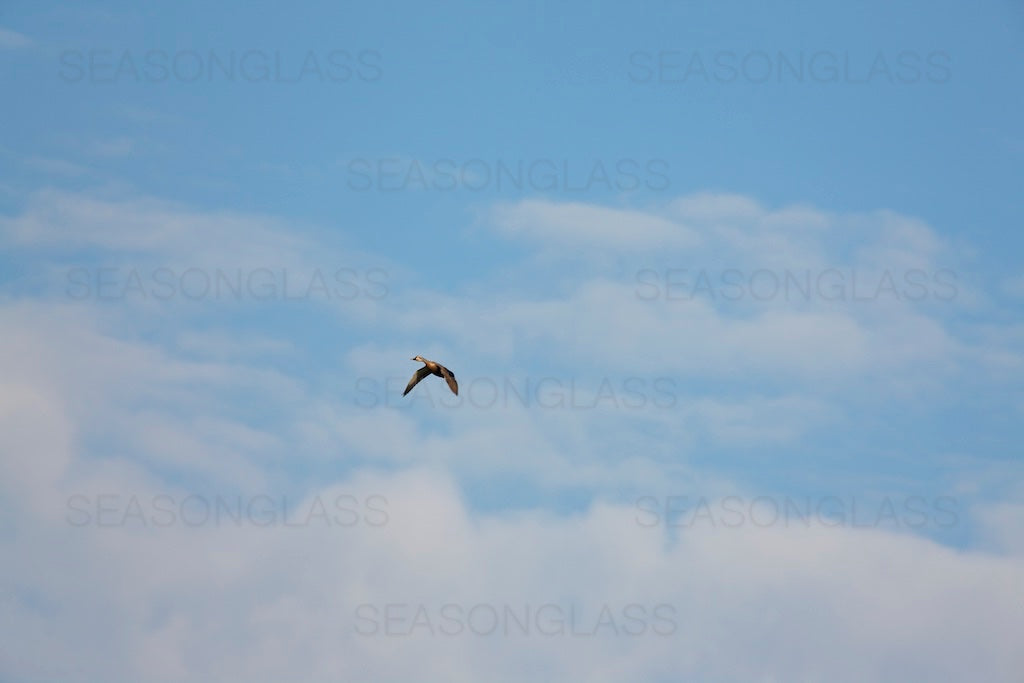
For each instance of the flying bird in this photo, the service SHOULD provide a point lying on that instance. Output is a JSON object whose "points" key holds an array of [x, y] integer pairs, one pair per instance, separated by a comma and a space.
{"points": [[432, 368]]}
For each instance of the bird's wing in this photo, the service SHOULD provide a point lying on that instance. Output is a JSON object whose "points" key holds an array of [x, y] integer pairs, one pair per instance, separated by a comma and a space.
{"points": [[420, 374], [449, 377]]}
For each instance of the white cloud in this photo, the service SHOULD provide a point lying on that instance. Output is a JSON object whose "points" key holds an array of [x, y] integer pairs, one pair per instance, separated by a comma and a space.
{"points": [[223, 346], [575, 223], [708, 229], [1002, 527], [58, 218], [310, 601], [139, 401], [57, 167], [12, 40], [113, 147], [758, 420], [93, 405], [709, 207], [1014, 286]]}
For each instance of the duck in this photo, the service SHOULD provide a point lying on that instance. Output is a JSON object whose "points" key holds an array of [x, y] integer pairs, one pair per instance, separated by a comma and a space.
{"points": [[432, 368]]}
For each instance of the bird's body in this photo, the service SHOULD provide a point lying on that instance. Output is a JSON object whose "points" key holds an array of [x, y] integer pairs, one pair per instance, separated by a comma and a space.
{"points": [[432, 368]]}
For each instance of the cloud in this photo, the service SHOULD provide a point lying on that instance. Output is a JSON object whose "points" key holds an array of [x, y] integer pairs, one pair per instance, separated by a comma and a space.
{"points": [[728, 230], [1002, 527], [759, 421], [12, 40], [224, 499], [116, 398], [56, 167], [151, 255], [114, 147], [450, 595], [58, 218], [1014, 286], [709, 207], [576, 223]]}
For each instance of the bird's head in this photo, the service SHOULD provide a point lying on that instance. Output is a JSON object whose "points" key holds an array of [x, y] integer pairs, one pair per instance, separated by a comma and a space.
{"points": [[419, 359]]}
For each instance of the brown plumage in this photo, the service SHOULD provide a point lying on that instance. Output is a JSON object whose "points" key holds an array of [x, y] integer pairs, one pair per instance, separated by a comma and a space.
{"points": [[432, 368]]}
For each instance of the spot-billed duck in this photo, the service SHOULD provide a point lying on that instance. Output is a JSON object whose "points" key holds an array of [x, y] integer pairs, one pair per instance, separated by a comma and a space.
{"points": [[432, 368]]}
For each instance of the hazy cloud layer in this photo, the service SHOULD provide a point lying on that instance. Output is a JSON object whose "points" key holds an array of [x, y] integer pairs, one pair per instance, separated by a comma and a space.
{"points": [[192, 496]]}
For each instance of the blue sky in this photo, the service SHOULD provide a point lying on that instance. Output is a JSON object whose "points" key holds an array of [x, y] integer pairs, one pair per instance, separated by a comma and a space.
{"points": [[694, 266]]}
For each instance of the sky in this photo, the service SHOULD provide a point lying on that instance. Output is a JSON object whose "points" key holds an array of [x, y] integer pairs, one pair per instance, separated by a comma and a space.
{"points": [[732, 292]]}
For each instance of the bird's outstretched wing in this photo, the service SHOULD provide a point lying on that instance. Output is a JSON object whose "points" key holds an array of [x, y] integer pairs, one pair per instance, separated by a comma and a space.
{"points": [[449, 377], [420, 374]]}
